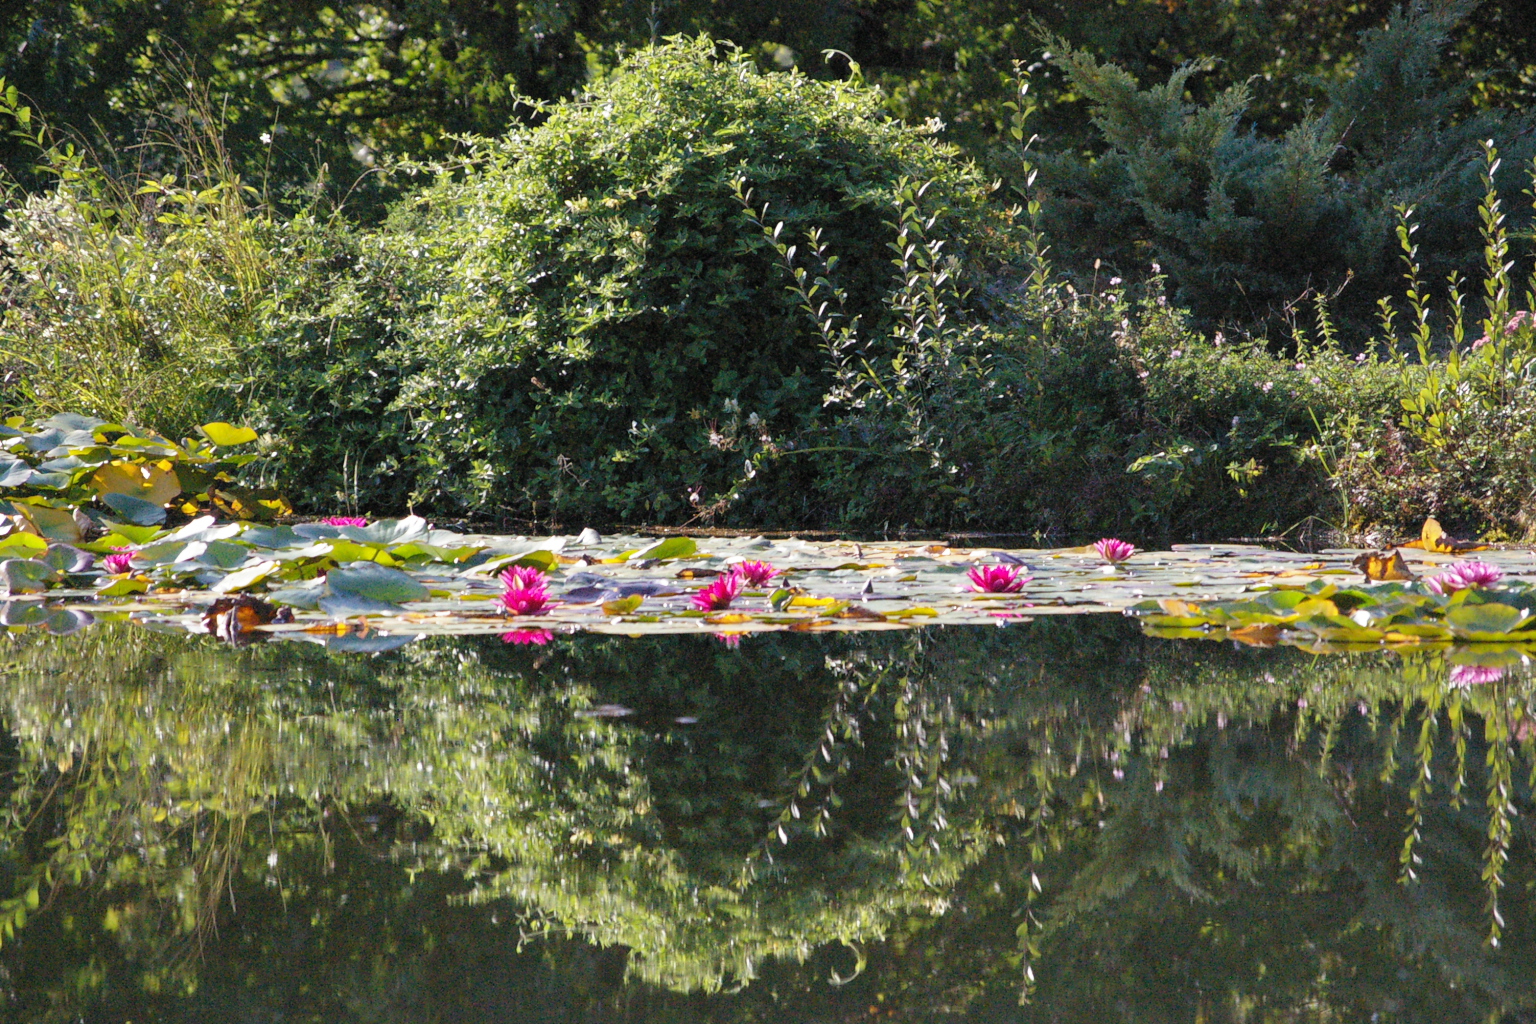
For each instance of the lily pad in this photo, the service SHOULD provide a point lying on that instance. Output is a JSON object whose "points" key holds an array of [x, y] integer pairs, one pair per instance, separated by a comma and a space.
{"points": [[25, 576], [136, 510], [375, 583], [1485, 621]]}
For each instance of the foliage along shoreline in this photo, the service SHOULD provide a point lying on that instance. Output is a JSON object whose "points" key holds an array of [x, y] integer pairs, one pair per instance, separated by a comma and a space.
{"points": [[527, 335]]}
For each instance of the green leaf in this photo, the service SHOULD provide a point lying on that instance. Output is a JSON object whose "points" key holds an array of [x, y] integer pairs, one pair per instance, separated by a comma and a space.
{"points": [[623, 605], [1485, 621], [376, 583], [136, 510], [22, 545], [244, 578], [66, 559], [135, 534], [123, 587], [25, 576], [544, 561], [226, 435], [56, 524], [667, 548]]}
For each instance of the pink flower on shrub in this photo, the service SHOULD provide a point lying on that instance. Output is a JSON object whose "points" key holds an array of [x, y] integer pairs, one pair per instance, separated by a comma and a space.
{"points": [[1519, 320], [997, 579], [719, 594], [344, 521], [1464, 575], [1472, 675], [118, 562], [537, 637], [757, 574], [1114, 551], [526, 593]]}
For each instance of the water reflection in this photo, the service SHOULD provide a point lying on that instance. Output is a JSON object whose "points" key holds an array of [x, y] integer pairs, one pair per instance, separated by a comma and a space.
{"points": [[903, 826]]}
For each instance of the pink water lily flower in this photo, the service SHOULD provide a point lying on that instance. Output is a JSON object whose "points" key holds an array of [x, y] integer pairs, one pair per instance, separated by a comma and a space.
{"points": [[1114, 551], [118, 562], [526, 593], [523, 577], [997, 579], [344, 521], [731, 640], [1464, 575], [757, 574], [537, 637], [1472, 675], [719, 594]]}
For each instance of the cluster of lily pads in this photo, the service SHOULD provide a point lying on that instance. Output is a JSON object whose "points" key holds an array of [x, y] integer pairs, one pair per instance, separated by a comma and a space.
{"points": [[60, 475], [1466, 602], [344, 575]]}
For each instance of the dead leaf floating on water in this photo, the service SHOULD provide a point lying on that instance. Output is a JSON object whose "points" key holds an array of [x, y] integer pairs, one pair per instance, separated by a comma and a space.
{"points": [[1434, 538], [1384, 565]]}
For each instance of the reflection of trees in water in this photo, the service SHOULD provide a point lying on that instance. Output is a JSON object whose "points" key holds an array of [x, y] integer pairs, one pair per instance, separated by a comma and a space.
{"points": [[1146, 823]]}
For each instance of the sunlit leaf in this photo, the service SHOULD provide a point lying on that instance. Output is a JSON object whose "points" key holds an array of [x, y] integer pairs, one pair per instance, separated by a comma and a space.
{"points": [[226, 435]]}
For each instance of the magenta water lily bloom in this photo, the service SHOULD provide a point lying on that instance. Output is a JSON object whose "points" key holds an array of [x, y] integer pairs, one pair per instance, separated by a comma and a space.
{"points": [[523, 577], [719, 594], [538, 637], [1463, 576], [118, 562], [526, 592], [998, 579], [344, 521], [1114, 551], [757, 574]]}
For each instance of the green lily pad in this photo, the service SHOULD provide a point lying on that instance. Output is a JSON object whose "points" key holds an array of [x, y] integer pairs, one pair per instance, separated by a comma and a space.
{"points": [[1485, 621], [25, 576], [668, 548], [375, 583], [136, 510]]}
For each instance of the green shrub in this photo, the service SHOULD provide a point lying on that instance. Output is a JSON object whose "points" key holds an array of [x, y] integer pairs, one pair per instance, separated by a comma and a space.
{"points": [[126, 294], [1459, 444], [1244, 223], [571, 320]]}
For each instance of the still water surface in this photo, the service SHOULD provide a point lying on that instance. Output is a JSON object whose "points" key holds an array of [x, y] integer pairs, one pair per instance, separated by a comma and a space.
{"points": [[830, 828]]}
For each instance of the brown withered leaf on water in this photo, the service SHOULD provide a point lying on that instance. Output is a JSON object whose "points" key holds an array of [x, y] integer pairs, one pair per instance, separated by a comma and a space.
{"points": [[1434, 538], [1384, 565], [233, 618]]}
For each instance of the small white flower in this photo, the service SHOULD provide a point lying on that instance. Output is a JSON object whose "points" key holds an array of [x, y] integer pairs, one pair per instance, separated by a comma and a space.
{"points": [[266, 138]]}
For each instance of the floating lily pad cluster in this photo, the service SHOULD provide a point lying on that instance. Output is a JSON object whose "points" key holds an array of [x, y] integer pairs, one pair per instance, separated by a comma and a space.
{"points": [[1320, 612], [390, 581], [59, 475]]}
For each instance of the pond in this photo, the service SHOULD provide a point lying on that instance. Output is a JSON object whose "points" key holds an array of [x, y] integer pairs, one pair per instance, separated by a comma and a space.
{"points": [[1062, 819]]}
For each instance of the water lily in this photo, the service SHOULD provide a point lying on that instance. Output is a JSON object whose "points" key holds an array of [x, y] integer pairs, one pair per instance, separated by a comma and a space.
{"points": [[1463, 576], [757, 574], [719, 594], [1114, 551], [526, 593], [731, 640], [344, 521], [538, 637], [1472, 675], [523, 577], [118, 562], [997, 579]]}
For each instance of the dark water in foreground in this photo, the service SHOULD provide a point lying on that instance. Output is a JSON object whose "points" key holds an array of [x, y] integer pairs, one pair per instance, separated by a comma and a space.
{"points": [[875, 827]]}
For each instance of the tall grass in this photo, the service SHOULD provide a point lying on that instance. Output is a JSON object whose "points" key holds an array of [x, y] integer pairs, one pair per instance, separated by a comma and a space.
{"points": [[133, 281]]}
